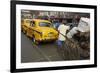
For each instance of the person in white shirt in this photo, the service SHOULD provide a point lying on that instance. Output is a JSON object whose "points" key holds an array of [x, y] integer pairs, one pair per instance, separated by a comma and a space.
{"points": [[62, 33]]}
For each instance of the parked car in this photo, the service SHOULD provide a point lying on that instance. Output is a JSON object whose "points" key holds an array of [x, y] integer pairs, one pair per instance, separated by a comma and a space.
{"points": [[41, 30]]}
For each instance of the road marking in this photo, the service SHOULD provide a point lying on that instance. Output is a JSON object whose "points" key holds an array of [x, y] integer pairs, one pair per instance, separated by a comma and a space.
{"points": [[41, 52]]}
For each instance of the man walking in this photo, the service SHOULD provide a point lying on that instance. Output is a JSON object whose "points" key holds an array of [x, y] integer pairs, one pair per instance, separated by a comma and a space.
{"points": [[63, 28], [61, 39]]}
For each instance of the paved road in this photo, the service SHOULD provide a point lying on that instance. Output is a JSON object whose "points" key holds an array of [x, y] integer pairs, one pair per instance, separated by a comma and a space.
{"points": [[38, 53]]}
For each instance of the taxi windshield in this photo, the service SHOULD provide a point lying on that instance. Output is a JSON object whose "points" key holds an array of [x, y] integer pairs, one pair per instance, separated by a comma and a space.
{"points": [[44, 24]]}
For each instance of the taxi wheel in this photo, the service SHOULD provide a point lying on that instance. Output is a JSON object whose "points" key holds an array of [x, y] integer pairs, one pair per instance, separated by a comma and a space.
{"points": [[27, 34], [24, 31], [34, 41]]}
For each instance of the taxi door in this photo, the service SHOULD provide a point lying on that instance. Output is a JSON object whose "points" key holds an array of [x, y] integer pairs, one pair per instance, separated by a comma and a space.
{"points": [[30, 31]]}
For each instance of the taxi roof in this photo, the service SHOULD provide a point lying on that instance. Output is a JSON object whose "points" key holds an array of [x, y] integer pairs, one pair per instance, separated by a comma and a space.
{"points": [[38, 20], [41, 20]]}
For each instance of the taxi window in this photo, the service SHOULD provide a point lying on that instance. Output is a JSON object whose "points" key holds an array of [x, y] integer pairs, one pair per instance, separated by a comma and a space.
{"points": [[44, 24], [32, 23]]}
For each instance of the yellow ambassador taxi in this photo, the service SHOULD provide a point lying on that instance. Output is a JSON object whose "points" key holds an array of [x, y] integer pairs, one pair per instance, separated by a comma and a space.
{"points": [[25, 23], [41, 30]]}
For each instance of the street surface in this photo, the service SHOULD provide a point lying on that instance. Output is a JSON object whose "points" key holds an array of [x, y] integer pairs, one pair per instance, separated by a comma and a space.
{"points": [[38, 53]]}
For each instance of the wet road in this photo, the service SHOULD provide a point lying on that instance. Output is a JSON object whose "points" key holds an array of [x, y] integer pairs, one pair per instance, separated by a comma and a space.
{"points": [[38, 53]]}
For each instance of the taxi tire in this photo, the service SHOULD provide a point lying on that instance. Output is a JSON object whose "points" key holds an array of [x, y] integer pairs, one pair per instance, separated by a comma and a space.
{"points": [[24, 31], [34, 41], [27, 34]]}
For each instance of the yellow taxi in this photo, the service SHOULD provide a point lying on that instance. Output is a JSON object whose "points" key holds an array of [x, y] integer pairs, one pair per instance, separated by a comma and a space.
{"points": [[25, 23], [41, 30]]}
